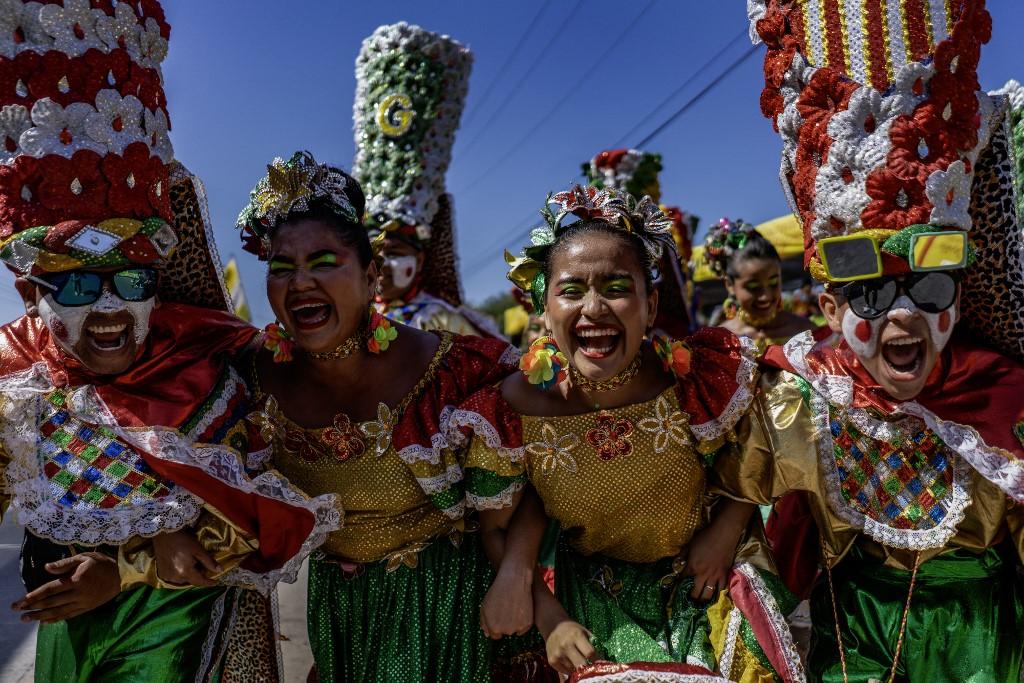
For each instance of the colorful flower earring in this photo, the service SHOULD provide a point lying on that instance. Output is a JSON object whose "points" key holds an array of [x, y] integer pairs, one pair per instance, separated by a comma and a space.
{"points": [[730, 308], [381, 332], [543, 364], [279, 342], [675, 355]]}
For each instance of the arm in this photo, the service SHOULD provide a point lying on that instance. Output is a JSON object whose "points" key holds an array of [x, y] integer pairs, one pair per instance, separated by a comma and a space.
{"points": [[712, 551]]}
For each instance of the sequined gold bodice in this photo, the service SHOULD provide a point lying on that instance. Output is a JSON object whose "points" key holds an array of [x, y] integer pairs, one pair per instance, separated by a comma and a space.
{"points": [[625, 482]]}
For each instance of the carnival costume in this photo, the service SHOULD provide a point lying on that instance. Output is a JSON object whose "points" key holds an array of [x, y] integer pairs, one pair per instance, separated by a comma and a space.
{"points": [[411, 86], [88, 185], [895, 164], [636, 172], [395, 593], [627, 486]]}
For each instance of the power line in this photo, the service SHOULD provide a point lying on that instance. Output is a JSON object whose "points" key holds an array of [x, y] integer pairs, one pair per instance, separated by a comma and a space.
{"points": [[519, 84], [697, 72], [508, 61], [580, 83], [485, 258]]}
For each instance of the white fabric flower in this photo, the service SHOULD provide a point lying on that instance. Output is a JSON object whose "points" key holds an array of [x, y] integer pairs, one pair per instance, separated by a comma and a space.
{"points": [[555, 450], [73, 26], [58, 130], [159, 141], [18, 16], [903, 100], [667, 425], [116, 121], [949, 192], [121, 30], [756, 9], [851, 125], [152, 45], [14, 120]]}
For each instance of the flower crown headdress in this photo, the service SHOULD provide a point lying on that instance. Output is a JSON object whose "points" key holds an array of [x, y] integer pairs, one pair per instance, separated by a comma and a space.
{"points": [[289, 187], [618, 209], [726, 237]]}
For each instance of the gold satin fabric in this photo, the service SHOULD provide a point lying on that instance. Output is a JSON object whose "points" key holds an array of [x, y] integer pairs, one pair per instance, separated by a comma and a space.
{"points": [[778, 454]]}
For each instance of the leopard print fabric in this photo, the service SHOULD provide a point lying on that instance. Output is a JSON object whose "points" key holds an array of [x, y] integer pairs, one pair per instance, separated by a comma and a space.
{"points": [[992, 303], [192, 275], [440, 264], [252, 655]]}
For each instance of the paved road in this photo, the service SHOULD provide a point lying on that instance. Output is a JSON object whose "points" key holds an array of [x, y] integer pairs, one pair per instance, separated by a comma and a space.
{"points": [[18, 640]]}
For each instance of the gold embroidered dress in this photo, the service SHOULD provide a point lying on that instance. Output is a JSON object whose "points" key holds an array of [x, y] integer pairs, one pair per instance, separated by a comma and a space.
{"points": [[627, 486]]}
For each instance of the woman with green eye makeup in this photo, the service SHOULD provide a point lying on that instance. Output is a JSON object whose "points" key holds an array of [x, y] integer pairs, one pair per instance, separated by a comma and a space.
{"points": [[613, 434], [752, 272]]}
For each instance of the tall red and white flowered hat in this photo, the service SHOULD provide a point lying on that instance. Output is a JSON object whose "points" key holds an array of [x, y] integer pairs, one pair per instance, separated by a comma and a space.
{"points": [[888, 139], [87, 176]]}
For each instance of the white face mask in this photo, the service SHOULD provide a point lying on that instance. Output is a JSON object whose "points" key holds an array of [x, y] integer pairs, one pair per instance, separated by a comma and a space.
{"points": [[403, 270], [66, 323]]}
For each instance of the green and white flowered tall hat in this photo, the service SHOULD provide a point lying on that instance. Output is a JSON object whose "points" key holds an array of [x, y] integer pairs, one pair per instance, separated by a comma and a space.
{"points": [[411, 85]]}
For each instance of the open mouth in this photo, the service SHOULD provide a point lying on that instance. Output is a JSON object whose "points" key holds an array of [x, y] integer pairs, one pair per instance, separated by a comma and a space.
{"points": [[108, 337], [598, 342], [904, 356], [310, 315]]}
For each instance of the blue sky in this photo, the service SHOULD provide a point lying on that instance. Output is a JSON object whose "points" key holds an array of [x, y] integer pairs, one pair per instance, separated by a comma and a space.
{"points": [[248, 80]]}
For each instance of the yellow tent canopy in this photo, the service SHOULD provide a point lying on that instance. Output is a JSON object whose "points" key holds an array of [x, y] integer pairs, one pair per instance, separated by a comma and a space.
{"points": [[783, 232]]}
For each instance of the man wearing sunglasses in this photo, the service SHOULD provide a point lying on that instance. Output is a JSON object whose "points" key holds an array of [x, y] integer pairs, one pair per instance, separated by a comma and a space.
{"points": [[906, 435]]}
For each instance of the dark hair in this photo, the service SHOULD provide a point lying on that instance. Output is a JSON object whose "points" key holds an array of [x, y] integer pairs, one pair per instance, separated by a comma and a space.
{"points": [[353, 235], [757, 247], [584, 227]]}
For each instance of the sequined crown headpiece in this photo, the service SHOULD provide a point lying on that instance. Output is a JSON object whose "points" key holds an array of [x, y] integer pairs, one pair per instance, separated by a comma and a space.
{"points": [[724, 238], [881, 120], [411, 85], [617, 208], [291, 187], [84, 143]]}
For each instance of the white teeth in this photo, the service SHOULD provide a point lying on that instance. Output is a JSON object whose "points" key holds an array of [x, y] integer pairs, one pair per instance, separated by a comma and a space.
{"points": [[906, 341], [597, 333], [106, 329], [302, 307]]}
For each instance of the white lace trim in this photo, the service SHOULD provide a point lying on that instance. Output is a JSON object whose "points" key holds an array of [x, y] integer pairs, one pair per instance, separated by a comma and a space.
{"points": [[432, 454], [496, 502], [453, 420], [510, 357], [441, 482], [732, 631], [22, 397], [740, 401], [257, 460], [212, 632], [641, 676], [232, 384], [782, 636]]}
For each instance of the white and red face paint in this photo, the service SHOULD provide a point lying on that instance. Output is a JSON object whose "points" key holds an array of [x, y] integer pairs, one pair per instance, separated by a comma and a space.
{"points": [[67, 323], [863, 335], [402, 269]]}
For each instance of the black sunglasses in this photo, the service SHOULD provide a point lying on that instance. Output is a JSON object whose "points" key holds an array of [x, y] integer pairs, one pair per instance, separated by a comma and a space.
{"points": [[84, 287], [932, 292]]}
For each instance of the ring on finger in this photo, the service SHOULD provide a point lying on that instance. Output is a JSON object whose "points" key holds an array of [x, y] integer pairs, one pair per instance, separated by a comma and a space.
{"points": [[709, 588]]}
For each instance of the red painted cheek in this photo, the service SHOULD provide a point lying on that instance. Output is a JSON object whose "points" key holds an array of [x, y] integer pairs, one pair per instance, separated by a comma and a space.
{"points": [[863, 331], [944, 322], [59, 330]]}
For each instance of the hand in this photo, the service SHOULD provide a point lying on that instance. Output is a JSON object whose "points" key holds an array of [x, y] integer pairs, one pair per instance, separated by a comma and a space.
{"points": [[710, 557], [86, 581], [569, 648], [180, 559], [507, 608]]}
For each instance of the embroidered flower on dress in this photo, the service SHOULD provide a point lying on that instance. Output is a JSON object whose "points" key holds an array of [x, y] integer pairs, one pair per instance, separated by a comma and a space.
{"points": [[611, 436], [555, 450], [343, 438], [379, 432], [667, 425]]}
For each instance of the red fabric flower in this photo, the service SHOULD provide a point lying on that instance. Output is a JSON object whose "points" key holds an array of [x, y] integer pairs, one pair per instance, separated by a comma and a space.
{"points": [[611, 437], [827, 93], [130, 179], [344, 438], [14, 70], [772, 26], [84, 200], [920, 145], [895, 202], [19, 205], [159, 190], [46, 80], [145, 84], [99, 69]]}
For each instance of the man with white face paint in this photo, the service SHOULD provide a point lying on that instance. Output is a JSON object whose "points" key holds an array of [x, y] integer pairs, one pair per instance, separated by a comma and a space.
{"points": [[412, 215], [122, 418], [907, 438]]}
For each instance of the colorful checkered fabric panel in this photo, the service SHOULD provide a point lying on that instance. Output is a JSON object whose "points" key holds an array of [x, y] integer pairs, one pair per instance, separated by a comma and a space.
{"points": [[88, 467], [906, 484]]}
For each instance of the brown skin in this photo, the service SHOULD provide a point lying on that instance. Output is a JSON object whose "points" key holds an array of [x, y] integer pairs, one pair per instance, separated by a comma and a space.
{"points": [[98, 360], [87, 580], [757, 290], [896, 324], [392, 247], [596, 281]]}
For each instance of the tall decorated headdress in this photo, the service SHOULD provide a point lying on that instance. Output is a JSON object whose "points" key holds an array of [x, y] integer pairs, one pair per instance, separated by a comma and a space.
{"points": [[636, 172], [411, 85], [87, 177], [890, 149], [619, 209]]}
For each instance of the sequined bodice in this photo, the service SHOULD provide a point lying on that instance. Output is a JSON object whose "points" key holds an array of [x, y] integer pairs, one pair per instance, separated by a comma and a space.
{"points": [[625, 482]]}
